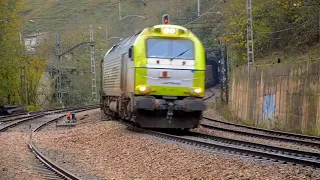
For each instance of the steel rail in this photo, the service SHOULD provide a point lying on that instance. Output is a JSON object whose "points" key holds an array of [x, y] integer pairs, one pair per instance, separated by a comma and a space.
{"points": [[62, 172], [55, 119], [273, 149], [263, 136], [23, 116], [12, 115], [42, 114], [35, 112], [45, 160], [244, 148], [271, 132], [15, 123], [206, 98]]}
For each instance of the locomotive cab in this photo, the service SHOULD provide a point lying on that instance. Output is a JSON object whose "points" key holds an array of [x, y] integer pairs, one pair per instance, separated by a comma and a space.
{"points": [[162, 78]]}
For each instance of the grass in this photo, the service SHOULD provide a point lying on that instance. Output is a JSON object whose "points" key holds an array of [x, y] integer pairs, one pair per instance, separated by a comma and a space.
{"points": [[71, 15], [231, 116], [304, 54], [31, 108], [314, 131]]}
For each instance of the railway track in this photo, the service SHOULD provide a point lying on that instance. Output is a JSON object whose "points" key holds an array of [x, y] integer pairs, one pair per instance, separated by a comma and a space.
{"points": [[240, 148], [41, 163], [12, 115], [14, 121], [48, 168], [272, 153], [311, 141], [20, 115], [44, 165], [210, 96]]}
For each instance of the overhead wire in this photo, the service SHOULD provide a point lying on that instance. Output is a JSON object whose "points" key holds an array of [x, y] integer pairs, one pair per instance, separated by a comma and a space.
{"points": [[270, 32], [203, 13], [153, 15], [113, 4]]}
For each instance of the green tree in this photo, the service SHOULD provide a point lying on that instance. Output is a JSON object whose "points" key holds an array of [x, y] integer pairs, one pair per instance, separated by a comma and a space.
{"points": [[282, 25], [35, 70], [10, 51]]}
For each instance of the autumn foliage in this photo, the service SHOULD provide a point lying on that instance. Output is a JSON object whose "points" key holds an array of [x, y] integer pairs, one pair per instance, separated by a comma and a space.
{"points": [[13, 57], [278, 25]]}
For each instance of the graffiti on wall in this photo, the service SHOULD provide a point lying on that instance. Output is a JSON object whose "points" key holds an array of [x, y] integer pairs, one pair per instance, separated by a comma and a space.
{"points": [[269, 106]]}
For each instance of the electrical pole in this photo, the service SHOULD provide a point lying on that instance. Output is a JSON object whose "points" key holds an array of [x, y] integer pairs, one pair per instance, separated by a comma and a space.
{"points": [[226, 67], [23, 76], [250, 48], [198, 8], [23, 84], [93, 66], [58, 67], [107, 34], [224, 72], [120, 10]]}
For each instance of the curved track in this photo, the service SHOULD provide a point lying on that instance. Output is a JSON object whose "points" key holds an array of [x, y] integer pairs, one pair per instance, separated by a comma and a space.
{"points": [[42, 164], [262, 133], [260, 151], [270, 132], [241, 148], [51, 169], [20, 115], [238, 147], [19, 119]]}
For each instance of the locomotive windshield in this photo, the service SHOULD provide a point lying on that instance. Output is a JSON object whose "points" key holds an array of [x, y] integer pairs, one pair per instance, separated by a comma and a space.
{"points": [[170, 48]]}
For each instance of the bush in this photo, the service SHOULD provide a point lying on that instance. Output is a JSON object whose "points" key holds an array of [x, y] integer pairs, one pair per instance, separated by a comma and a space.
{"points": [[34, 108]]}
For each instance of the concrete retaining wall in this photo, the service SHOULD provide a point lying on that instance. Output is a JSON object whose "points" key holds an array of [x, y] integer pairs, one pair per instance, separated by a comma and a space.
{"points": [[280, 96]]}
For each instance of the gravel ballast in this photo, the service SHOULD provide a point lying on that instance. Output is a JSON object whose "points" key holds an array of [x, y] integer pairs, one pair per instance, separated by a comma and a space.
{"points": [[271, 142], [15, 158], [105, 150]]}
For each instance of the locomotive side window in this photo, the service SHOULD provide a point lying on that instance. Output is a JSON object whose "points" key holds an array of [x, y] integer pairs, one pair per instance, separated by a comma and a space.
{"points": [[169, 48], [130, 53]]}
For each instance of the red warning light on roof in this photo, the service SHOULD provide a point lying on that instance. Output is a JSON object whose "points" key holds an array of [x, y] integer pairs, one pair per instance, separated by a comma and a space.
{"points": [[165, 19]]}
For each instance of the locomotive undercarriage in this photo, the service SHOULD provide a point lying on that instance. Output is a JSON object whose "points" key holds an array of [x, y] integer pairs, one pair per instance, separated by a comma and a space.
{"points": [[149, 112], [167, 113], [116, 107]]}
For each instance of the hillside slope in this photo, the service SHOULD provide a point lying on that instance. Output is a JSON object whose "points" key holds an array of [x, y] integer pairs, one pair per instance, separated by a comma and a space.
{"points": [[69, 15]]}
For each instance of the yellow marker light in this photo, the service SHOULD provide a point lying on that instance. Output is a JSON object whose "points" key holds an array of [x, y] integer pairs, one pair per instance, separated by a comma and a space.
{"points": [[169, 30]]}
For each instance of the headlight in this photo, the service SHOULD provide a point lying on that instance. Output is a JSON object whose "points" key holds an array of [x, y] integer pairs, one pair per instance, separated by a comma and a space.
{"points": [[143, 89], [169, 30], [196, 91]]}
